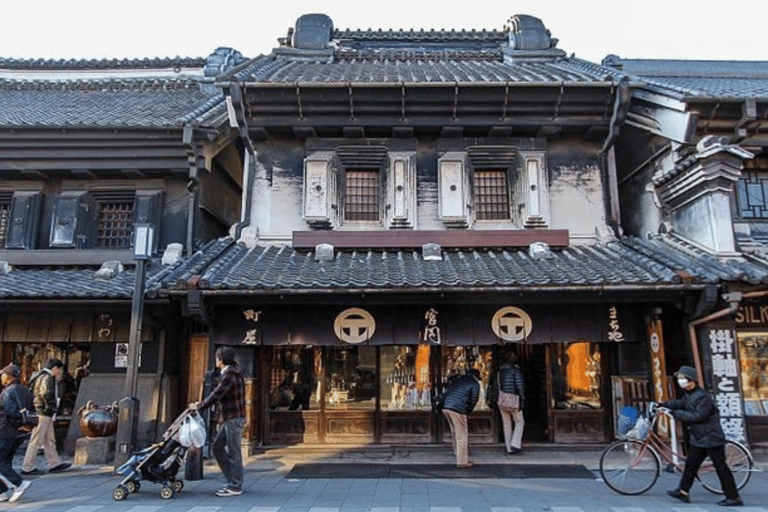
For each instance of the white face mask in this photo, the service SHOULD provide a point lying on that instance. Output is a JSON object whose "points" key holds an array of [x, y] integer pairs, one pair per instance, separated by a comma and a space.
{"points": [[682, 382]]}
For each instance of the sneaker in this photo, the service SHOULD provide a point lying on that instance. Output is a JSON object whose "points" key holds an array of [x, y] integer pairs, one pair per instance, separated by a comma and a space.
{"points": [[19, 491], [229, 491], [32, 472], [679, 495], [61, 467], [4, 496], [731, 502]]}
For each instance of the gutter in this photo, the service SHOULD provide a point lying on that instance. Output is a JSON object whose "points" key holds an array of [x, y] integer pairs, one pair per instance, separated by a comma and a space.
{"points": [[735, 299], [497, 290]]}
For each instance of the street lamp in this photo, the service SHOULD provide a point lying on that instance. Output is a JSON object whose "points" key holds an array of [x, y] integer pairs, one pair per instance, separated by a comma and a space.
{"points": [[127, 426]]}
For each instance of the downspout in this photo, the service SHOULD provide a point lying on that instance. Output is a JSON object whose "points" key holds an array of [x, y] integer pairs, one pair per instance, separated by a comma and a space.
{"points": [[734, 298], [238, 121], [605, 156], [188, 140]]}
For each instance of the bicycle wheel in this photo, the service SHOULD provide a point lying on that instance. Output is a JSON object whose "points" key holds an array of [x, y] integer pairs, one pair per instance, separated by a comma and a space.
{"points": [[738, 459], [628, 467]]}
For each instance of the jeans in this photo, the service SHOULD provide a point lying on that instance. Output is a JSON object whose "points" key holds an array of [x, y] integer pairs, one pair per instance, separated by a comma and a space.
{"points": [[8, 447], [227, 449], [696, 456]]}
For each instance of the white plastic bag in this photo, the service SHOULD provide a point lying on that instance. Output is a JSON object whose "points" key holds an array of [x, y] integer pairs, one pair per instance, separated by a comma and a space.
{"points": [[640, 431], [192, 431]]}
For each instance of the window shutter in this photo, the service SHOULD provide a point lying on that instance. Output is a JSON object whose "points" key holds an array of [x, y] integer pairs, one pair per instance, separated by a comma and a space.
{"points": [[24, 220], [71, 220], [534, 190], [401, 190], [320, 196], [453, 187], [148, 210]]}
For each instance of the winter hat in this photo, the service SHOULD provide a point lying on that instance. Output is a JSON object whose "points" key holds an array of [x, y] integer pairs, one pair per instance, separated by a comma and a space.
{"points": [[687, 371], [11, 370]]}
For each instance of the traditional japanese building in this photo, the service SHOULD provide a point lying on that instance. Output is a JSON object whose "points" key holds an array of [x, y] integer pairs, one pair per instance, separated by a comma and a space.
{"points": [[88, 150], [692, 172], [420, 203]]}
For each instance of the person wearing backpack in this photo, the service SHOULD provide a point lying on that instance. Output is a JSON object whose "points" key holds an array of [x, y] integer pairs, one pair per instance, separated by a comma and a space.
{"points": [[13, 399], [46, 392]]}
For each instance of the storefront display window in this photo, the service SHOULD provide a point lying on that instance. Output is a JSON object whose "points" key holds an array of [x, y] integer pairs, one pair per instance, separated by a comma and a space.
{"points": [[405, 381], [293, 384], [456, 361], [576, 376], [350, 378], [753, 356]]}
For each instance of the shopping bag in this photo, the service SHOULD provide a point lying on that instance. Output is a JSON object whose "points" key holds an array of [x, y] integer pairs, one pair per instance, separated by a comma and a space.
{"points": [[192, 431]]}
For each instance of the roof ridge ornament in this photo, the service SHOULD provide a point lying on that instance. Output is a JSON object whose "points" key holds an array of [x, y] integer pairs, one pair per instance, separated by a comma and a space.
{"points": [[529, 39]]}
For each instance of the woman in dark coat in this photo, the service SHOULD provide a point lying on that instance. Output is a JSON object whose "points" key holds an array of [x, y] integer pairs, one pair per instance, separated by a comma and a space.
{"points": [[511, 381]]}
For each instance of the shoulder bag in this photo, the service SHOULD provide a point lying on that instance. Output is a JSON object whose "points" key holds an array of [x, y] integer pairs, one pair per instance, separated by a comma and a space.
{"points": [[507, 401]]}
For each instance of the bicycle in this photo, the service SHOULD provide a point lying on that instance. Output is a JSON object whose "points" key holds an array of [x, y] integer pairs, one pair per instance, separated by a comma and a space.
{"points": [[632, 466]]}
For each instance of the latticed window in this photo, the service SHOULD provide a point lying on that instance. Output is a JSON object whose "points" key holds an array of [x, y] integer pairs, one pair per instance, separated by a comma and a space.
{"points": [[491, 194], [115, 224], [5, 215], [362, 195], [752, 190]]}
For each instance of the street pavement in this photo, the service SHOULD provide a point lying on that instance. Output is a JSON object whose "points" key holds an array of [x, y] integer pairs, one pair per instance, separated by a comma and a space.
{"points": [[269, 488]]}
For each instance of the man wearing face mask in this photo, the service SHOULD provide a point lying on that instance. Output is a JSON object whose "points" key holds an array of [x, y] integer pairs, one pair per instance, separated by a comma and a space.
{"points": [[697, 409]]}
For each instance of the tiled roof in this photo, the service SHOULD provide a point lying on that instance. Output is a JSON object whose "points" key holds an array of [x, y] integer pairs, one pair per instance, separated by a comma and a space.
{"points": [[113, 93], [423, 56], [417, 69], [93, 64], [699, 79], [106, 105], [224, 266], [227, 266], [70, 283]]}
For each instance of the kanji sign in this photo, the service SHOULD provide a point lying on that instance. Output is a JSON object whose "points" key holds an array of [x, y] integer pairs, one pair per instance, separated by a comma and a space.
{"points": [[725, 380]]}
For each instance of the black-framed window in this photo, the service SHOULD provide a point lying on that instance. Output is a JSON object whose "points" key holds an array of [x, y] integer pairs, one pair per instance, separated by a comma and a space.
{"points": [[115, 223], [362, 195], [491, 191]]}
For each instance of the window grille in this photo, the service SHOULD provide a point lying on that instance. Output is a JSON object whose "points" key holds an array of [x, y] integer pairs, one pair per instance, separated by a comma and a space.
{"points": [[753, 195], [5, 215], [115, 224], [362, 195], [491, 194]]}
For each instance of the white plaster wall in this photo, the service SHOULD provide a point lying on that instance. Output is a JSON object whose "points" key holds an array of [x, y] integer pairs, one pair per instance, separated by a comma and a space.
{"points": [[577, 201]]}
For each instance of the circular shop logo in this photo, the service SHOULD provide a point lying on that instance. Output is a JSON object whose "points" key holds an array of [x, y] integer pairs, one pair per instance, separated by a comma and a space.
{"points": [[354, 325], [511, 324]]}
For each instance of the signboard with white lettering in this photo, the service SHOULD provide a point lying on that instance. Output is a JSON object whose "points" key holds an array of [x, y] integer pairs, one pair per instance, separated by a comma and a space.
{"points": [[725, 379]]}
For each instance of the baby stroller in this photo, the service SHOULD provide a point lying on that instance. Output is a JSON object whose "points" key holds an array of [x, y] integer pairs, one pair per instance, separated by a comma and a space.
{"points": [[160, 462]]}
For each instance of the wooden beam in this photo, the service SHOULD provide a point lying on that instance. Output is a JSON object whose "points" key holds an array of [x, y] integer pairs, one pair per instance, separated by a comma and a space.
{"points": [[398, 239]]}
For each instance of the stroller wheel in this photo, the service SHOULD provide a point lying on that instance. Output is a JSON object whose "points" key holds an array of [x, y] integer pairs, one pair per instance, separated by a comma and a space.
{"points": [[133, 486], [166, 493], [120, 493], [177, 485]]}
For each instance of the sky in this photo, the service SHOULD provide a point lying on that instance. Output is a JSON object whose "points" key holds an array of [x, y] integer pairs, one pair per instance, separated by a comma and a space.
{"points": [[590, 29]]}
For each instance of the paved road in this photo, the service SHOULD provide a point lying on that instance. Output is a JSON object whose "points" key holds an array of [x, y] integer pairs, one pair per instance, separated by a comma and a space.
{"points": [[268, 489]]}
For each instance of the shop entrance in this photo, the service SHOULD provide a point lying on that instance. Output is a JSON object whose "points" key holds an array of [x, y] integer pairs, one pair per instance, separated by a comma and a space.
{"points": [[370, 394]]}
